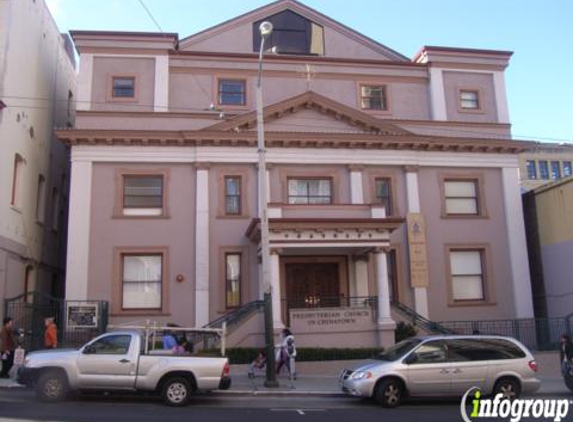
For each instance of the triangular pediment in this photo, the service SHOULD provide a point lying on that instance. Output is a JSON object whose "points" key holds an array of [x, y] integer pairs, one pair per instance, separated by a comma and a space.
{"points": [[310, 112], [236, 35]]}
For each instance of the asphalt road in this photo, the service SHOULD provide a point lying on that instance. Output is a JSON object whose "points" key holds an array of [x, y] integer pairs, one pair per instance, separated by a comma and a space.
{"points": [[20, 405]]}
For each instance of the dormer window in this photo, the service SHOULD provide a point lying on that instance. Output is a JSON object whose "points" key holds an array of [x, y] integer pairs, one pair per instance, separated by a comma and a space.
{"points": [[292, 34]]}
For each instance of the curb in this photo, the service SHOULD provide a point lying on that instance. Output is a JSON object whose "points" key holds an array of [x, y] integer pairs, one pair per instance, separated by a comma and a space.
{"points": [[292, 392]]}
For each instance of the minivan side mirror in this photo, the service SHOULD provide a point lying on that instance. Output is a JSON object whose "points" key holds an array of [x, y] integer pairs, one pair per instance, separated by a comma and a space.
{"points": [[89, 350], [410, 359]]}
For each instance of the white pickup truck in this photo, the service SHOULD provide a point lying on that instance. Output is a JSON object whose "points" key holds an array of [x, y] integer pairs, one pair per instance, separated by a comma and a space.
{"points": [[120, 361]]}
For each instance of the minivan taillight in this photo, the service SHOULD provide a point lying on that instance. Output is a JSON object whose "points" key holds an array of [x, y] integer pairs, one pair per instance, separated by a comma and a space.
{"points": [[226, 370], [533, 365]]}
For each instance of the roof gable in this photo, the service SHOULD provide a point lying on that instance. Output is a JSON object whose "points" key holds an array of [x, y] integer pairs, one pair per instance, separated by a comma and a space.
{"points": [[236, 36], [310, 112]]}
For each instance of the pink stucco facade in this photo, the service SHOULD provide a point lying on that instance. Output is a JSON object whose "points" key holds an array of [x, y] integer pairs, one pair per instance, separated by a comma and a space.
{"points": [[316, 128]]}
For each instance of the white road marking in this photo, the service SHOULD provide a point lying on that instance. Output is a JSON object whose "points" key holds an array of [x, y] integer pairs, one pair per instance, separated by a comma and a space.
{"points": [[299, 411]]}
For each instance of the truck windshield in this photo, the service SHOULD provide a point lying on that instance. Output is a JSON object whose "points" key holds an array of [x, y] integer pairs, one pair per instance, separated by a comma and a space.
{"points": [[399, 350]]}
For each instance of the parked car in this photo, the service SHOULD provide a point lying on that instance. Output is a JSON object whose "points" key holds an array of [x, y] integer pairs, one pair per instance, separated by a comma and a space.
{"points": [[119, 361], [444, 366]]}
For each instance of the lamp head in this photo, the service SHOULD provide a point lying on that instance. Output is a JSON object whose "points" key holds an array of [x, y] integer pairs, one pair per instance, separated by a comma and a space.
{"points": [[266, 28]]}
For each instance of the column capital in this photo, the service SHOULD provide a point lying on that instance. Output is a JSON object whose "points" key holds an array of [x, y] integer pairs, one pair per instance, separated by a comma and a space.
{"points": [[356, 167], [202, 165], [275, 251], [382, 249], [360, 258], [411, 168], [268, 166]]}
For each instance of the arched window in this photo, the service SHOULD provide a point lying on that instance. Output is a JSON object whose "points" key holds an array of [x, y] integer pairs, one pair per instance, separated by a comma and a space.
{"points": [[292, 34]]}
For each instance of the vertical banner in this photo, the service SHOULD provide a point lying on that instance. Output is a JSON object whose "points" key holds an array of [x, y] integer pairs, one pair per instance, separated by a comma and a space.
{"points": [[417, 248]]}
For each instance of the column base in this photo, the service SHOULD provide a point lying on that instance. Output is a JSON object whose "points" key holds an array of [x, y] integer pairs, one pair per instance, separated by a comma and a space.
{"points": [[386, 332]]}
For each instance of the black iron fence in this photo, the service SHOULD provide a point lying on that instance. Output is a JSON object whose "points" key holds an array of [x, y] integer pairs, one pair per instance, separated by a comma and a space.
{"points": [[535, 334], [77, 321]]}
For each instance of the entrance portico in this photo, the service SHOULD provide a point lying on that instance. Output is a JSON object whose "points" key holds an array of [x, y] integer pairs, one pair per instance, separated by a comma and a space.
{"points": [[309, 267]]}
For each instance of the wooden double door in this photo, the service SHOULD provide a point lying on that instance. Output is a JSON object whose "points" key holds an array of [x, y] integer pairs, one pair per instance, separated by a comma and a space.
{"points": [[315, 283]]}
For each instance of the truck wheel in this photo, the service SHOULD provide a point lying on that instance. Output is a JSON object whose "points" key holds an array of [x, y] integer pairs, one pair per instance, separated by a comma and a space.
{"points": [[176, 391], [52, 387], [389, 393]]}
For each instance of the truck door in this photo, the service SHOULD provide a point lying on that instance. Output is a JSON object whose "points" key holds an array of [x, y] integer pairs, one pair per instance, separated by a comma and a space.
{"points": [[108, 362]]}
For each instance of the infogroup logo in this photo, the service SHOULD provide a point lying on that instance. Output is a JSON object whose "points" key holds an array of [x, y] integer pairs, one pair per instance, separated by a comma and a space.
{"points": [[515, 410]]}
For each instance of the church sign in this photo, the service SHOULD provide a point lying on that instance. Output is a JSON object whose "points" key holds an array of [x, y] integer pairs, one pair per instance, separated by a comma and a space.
{"points": [[331, 319]]}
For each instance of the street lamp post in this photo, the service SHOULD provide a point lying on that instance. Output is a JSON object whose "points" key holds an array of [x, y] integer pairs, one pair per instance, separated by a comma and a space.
{"points": [[266, 28]]}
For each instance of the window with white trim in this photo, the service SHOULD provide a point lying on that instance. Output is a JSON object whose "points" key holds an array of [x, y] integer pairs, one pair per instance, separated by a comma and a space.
{"points": [[232, 280], [310, 191], [143, 195], [142, 277], [461, 197], [467, 278], [469, 100]]}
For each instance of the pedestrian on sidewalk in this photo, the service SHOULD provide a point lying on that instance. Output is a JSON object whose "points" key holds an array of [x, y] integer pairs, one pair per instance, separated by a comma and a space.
{"points": [[286, 354], [51, 333], [258, 363], [8, 344], [565, 354]]}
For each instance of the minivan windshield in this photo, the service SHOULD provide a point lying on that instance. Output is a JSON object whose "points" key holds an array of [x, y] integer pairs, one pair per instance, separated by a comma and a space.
{"points": [[399, 350]]}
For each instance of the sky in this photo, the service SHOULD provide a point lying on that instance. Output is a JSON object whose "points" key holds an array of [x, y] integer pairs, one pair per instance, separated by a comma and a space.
{"points": [[539, 79]]}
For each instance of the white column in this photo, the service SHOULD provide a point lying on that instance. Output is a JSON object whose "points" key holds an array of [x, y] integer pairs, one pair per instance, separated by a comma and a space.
{"points": [[85, 78], [161, 93], [437, 94], [268, 187], [77, 265], [361, 276], [413, 202], [412, 191], [521, 284], [202, 247], [383, 288], [274, 270], [501, 97], [356, 189]]}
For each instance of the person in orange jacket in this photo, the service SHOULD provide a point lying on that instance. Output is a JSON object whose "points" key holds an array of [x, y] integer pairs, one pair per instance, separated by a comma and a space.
{"points": [[51, 334]]}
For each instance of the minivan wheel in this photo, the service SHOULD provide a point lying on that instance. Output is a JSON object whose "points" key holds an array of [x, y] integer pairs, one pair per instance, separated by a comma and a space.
{"points": [[508, 387], [51, 387], [176, 391], [389, 393]]}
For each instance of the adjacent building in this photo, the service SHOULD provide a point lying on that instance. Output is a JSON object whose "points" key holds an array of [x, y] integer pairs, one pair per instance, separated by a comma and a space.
{"points": [[37, 91], [391, 180], [549, 221], [544, 163]]}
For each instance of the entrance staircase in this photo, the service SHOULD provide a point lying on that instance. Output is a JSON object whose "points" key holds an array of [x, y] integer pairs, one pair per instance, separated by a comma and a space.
{"points": [[401, 312]]}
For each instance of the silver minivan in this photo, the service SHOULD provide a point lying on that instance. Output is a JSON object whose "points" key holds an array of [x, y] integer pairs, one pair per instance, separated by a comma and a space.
{"points": [[444, 365]]}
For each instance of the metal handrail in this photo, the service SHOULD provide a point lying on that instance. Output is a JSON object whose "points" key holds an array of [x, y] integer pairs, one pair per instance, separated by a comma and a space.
{"points": [[237, 315], [420, 320]]}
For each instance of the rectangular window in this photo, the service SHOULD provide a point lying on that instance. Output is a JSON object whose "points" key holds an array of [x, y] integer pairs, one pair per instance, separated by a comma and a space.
{"points": [[40, 198], [232, 195], [55, 209], [17, 180], [232, 280], [383, 194], [373, 97], [531, 169], [467, 275], [232, 92], [123, 87], [310, 191], [143, 195], [141, 281], [461, 197], [555, 170], [544, 170], [566, 168], [469, 100]]}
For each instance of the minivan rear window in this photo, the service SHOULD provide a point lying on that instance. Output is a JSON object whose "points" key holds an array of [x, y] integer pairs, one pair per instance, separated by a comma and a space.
{"points": [[461, 350]]}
